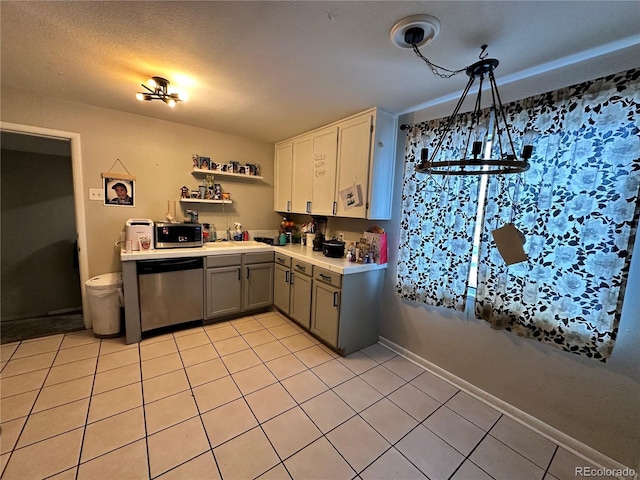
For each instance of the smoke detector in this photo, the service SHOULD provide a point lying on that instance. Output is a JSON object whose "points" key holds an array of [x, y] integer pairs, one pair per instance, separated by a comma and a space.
{"points": [[415, 30]]}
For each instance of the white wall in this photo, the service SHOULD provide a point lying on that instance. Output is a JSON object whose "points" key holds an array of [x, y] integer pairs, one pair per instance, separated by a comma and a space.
{"points": [[593, 402], [158, 153]]}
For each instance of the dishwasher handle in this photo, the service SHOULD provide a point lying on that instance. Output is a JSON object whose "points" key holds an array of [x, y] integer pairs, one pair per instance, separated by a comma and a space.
{"points": [[168, 265]]}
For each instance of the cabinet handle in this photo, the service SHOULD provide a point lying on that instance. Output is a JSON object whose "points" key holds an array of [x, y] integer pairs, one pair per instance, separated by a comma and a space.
{"points": [[286, 277], [291, 278], [325, 277], [335, 299], [335, 205], [239, 274], [308, 207], [300, 267], [288, 205], [248, 270]]}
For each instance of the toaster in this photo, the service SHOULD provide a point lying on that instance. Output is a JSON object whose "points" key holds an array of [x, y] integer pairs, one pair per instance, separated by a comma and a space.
{"points": [[136, 228]]}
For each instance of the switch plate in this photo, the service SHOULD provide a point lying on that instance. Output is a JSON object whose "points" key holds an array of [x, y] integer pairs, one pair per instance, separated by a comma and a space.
{"points": [[96, 194]]}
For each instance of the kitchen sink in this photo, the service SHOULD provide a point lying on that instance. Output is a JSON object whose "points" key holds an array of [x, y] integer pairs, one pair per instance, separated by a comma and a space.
{"points": [[219, 244], [249, 243]]}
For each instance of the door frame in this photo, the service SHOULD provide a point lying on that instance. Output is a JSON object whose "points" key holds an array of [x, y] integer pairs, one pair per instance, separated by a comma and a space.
{"points": [[78, 198]]}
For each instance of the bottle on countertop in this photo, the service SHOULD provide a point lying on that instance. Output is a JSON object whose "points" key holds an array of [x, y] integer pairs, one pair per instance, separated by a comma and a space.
{"points": [[351, 252], [213, 234], [206, 234], [238, 235], [245, 236]]}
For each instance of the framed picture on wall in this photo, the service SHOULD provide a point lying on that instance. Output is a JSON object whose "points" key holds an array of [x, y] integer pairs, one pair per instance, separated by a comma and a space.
{"points": [[118, 191]]}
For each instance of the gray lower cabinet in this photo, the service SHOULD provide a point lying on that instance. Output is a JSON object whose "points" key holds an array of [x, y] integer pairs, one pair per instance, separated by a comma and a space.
{"points": [[238, 283], [258, 280], [300, 282], [281, 282], [292, 288], [223, 285], [345, 308]]}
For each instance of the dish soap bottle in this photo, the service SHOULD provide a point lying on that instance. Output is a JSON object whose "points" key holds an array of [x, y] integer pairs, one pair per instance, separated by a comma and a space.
{"points": [[213, 235]]}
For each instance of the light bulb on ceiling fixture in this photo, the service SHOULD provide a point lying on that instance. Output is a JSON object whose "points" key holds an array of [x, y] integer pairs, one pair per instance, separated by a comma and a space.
{"points": [[160, 91]]}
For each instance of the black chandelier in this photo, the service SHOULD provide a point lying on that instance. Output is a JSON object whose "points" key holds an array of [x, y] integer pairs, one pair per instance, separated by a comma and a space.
{"points": [[487, 146], [159, 90]]}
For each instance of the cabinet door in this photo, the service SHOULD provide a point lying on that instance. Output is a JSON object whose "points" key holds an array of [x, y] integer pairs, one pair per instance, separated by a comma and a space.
{"points": [[258, 286], [325, 154], [301, 299], [281, 279], [282, 177], [354, 153], [325, 313], [302, 177], [224, 291]]}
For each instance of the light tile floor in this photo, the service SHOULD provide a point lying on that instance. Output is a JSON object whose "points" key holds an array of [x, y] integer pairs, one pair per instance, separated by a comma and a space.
{"points": [[247, 398]]}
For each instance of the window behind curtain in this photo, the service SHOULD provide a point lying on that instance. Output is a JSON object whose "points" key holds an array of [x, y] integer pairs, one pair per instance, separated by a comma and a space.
{"points": [[577, 206], [438, 220]]}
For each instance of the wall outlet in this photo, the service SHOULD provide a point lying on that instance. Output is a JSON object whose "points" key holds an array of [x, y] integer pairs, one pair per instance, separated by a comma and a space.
{"points": [[96, 194]]}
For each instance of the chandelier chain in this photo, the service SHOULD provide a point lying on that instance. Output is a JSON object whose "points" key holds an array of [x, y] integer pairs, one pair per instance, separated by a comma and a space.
{"points": [[435, 69]]}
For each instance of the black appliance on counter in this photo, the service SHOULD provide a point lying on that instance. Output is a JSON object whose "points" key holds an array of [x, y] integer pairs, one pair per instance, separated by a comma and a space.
{"points": [[321, 228], [174, 235], [333, 248], [267, 240], [317, 242]]}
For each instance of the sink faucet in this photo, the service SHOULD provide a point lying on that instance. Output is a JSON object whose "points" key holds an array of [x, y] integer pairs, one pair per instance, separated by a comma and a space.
{"points": [[193, 216]]}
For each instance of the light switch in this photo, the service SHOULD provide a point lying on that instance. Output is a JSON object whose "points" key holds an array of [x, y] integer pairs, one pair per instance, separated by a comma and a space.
{"points": [[96, 194]]}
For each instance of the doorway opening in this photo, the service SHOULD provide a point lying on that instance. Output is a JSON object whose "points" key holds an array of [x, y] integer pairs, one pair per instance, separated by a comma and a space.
{"points": [[44, 266]]}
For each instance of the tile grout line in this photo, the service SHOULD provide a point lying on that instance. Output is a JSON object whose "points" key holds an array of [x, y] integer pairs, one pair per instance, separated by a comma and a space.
{"points": [[184, 368], [86, 419], [468, 456], [13, 449], [260, 424]]}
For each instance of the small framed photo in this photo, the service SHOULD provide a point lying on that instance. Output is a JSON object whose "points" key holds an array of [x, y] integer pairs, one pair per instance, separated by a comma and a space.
{"points": [[118, 191]]}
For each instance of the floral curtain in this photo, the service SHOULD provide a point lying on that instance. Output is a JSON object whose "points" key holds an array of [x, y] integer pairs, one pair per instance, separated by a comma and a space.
{"points": [[437, 226], [578, 208]]}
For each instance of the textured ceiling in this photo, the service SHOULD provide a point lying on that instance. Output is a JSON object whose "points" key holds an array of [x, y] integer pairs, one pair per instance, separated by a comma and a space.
{"points": [[270, 70]]}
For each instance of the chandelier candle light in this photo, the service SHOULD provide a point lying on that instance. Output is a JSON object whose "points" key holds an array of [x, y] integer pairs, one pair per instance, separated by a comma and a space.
{"points": [[158, 89], [488, 145]]}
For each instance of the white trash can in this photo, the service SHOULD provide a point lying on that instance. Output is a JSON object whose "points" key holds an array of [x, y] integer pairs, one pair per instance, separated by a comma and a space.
{"points": [[105, 299]]}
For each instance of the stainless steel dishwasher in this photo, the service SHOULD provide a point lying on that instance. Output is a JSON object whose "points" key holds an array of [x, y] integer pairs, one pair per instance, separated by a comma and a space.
{"points": [[171, 291]]}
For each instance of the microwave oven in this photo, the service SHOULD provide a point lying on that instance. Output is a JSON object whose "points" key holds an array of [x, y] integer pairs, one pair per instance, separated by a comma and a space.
{"points": [[175, 235]]}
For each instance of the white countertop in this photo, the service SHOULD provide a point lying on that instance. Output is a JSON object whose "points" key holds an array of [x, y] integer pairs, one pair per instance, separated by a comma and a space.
{"points": [[300, 252], [339, 265]]}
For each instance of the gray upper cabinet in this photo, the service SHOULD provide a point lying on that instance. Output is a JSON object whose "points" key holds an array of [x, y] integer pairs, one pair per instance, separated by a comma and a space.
{"points": [[321, 168]]}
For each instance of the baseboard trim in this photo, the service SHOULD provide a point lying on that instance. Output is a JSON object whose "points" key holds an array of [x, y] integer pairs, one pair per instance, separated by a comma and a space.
{"points": [[567, 442]]}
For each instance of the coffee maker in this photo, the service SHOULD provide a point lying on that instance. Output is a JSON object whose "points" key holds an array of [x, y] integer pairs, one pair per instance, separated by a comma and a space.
{"points": [[321, 229]]}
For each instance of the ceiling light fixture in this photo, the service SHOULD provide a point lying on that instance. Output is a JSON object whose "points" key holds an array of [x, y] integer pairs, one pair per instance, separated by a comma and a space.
{"points": [[158, 89], [487, 146]]}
